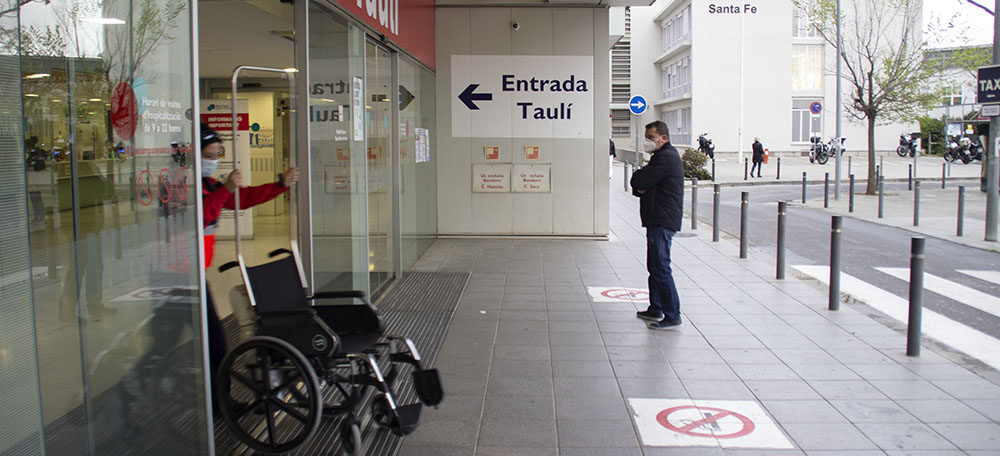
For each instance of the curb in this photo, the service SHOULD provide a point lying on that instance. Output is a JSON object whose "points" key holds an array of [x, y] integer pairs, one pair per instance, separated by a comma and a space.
{"points": [[687, 182]]}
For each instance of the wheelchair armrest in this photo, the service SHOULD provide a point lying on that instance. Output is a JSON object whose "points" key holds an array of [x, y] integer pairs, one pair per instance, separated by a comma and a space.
{"points": [[277, 252], [337, 294], [227, 266], [286, 313]]}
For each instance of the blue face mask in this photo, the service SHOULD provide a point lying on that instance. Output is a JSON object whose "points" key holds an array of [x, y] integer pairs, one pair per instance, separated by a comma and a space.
{"points": [[208, 167]]}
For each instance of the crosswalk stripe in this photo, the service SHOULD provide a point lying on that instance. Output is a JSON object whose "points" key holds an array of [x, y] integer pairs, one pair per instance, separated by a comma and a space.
{"points": [[950, 332], [944, 287], [989, 276]]}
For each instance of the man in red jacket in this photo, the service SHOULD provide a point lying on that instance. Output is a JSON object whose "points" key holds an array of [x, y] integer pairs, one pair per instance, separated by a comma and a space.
{"points": [[216, 196]]}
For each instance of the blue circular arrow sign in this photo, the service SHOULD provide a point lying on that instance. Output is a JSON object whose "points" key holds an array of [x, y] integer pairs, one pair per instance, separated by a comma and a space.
{"points": [[637, 104]]}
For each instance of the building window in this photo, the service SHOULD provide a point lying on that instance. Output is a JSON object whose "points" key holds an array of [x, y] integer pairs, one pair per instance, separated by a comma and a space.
{"points": [[676, 29], [807, 67], [621, 120], [679, 122], [801, 25], [805, 124], [954, 96], [620, 93], [675, 78]]}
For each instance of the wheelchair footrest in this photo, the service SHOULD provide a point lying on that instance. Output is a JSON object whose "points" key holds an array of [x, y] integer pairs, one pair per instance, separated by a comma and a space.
{"points": [[427, 383], [409, 419]]}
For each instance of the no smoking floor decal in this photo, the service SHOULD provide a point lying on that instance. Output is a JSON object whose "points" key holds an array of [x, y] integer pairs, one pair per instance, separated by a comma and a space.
{"points": [[618, 294], [686, 422]]}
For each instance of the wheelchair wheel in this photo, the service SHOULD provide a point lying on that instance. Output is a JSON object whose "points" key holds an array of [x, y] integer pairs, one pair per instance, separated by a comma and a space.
{"points": [[350, 433], [269, 395]]}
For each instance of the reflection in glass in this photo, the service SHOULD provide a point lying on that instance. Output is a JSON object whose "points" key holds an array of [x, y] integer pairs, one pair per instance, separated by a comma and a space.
{"points": [[106, 99]]}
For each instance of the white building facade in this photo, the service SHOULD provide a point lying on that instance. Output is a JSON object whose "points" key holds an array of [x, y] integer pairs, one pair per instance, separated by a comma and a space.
{"points": [[739, 71]]}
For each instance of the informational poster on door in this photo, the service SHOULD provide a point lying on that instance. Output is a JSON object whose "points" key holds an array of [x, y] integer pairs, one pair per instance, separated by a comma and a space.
{"points": [[522, 96], [531, 179], [423, 145], [218, 115], [491, 178], [358, 109]]}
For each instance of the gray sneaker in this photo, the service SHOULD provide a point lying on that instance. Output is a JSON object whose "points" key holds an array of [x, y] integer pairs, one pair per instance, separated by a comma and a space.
{"points": [[651, 315], [664, 324]]}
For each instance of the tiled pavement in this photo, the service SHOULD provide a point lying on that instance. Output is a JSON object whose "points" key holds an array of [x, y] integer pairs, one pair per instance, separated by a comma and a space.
{"points": [[531, 365]]}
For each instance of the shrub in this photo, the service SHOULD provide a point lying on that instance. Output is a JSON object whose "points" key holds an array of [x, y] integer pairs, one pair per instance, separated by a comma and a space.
{"points": [[694, 165], [932, 129]]}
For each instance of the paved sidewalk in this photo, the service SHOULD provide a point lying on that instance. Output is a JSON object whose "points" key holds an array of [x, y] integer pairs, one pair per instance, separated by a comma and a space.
{"points": [[532, 364], [938, 210], [729, 170]]}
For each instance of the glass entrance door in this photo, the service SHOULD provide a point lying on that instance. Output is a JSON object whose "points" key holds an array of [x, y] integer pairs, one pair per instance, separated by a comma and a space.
{"points": [[378, 126]]}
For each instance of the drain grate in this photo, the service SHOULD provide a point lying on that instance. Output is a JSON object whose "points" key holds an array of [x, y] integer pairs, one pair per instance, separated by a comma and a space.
{"points": [[419, 306]]}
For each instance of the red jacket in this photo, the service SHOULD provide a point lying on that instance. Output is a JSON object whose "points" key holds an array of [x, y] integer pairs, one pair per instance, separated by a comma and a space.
{"points": [[215, 197]]}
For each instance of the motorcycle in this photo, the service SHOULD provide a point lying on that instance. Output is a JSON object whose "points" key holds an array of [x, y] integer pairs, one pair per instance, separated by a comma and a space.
{"points": [[821, 152], [965, 149], [705, 145], [908, 146]]}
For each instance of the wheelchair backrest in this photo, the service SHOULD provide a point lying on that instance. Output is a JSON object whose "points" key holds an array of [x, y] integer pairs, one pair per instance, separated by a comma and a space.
{"points": [[276, 285]]}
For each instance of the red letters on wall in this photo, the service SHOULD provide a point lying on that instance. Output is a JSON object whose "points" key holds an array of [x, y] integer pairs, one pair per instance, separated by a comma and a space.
{"points": [[407, 23]]}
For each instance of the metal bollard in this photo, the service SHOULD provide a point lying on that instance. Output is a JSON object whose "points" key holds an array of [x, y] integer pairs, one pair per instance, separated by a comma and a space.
{"points": [[826, 190], [881, 166], [713, 169], [944, 175], [717, 190], [625, 171], [803, 187], [836, 227], [779, 169], [849, 165], [961, 211], [916, 204], [746, 166], [878, 172], [850, 199], [744, 222], [949, 168], [782, 212], [916, 296], [881, 199], [909, 179], [694, 204]]}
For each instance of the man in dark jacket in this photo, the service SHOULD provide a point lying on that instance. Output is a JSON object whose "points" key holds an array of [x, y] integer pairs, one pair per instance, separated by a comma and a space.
{"points": [[660, 188], [758, 157]]}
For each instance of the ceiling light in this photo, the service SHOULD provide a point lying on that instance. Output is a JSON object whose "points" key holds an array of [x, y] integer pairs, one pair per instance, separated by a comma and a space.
{"points": [[104, 20], [95, 99], [57, 101], [291, 70], [31, 95], [37, 76]]}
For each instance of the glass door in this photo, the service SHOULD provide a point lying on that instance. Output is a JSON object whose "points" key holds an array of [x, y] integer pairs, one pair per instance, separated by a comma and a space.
{"points": [[378, 127]]}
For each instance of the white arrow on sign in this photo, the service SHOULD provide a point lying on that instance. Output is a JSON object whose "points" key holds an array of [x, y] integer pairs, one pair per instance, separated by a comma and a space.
{"points": [[638, 104]]}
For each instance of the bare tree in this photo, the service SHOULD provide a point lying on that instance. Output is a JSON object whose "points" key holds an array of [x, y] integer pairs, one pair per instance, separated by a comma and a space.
{"points": [[884, 68]]}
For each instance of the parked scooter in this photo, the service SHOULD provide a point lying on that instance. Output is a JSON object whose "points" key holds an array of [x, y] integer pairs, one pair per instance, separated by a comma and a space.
{"points": [[908, 146], [705, 145], [821, 152], [965, 149]]}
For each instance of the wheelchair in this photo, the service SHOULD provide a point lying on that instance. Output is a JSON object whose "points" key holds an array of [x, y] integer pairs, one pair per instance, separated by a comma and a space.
{"points": [[310, 359]]}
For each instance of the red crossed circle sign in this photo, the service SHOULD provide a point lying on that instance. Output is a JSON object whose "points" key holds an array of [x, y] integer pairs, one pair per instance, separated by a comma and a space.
{"points": [[124, 111], [625, 293], [142, 188], [690, 428], [165, 187], [181, 183]]}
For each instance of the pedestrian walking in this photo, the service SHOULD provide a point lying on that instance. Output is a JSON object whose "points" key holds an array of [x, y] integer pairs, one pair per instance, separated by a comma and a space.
{"points": [[660, 188], [758, 157], [611, 159]]}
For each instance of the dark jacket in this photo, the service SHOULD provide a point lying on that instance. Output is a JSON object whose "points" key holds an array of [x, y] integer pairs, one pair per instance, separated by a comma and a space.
{"points": [[758, 152], [663, 180]]}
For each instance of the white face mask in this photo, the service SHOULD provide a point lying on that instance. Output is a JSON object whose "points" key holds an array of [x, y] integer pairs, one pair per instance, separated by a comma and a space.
{"points": [[208, 167], [648, 146]]}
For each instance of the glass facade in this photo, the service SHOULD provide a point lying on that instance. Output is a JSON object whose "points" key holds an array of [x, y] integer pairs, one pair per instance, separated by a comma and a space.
{"points": [[104, 157], [101, 289]]}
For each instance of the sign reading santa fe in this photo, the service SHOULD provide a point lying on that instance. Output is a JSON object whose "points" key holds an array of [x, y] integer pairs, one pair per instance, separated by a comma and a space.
{"points": [[522, 96]]}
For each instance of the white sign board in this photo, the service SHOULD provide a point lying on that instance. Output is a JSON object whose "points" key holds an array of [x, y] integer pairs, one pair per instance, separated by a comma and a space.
{"points": [[490, 178], [686, 422], [990, 110], [532, 179], [522, 96]]}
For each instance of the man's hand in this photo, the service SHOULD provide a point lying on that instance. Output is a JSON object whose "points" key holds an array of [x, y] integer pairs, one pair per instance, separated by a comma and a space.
{"points": [[641, 192], [290, 176], [234, 180]]}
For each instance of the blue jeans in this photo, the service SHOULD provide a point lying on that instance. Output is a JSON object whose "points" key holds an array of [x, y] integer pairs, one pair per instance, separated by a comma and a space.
{"points": [[662, 289]]}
